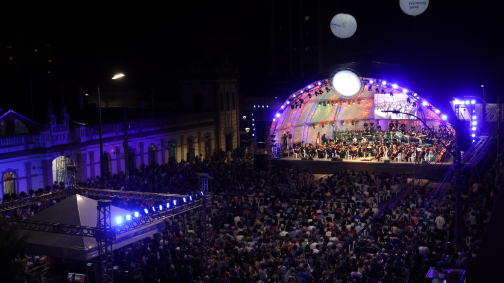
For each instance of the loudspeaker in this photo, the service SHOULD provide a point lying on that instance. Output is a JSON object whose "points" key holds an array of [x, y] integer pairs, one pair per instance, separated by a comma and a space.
{"points": [[335, 159], [304, 158], [386, 161]]}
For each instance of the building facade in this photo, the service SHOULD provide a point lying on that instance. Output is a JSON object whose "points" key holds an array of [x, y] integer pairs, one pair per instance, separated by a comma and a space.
{"points": [[33, 156]]}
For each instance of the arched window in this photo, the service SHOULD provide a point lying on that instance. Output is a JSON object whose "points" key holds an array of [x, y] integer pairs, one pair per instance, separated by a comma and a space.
{"points": [[20, 127], [152, 155], [60, 169], [173, 150], [9, 184]]}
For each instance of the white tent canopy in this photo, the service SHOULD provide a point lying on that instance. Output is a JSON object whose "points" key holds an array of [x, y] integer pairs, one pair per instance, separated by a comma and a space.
{"points": [[81, 211]]}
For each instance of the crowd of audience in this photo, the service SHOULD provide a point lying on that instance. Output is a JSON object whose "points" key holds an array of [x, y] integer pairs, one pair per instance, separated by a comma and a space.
{"points": [[287, 226]]}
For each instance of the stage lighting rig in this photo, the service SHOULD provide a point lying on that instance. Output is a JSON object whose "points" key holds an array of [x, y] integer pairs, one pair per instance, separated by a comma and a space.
{"points": [[383, 91]]}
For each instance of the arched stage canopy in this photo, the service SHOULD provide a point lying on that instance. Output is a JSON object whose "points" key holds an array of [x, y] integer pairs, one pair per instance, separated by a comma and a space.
{"points": [[344, 98]]}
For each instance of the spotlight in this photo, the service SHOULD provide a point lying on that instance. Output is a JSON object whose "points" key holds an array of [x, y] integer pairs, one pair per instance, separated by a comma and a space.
{"points": [[119, 220], [404, 91], [288, 102], [175, 201], [320, 103], [424, 103], [146, 211], [474, 128], [128, 217], [167, 205], [136, 214], [475, 117], [467, 102], [278, 115], [190, 198], [254, 106], [415, 94], [160, 207], [274, 119], [371, 82], [444, 117], [474, 140], [473, 101], [202, 193], [267, 106], [309, 86], [253, 134], [301, 92], [295, 95], [475, 123], [473, 135], [319, 83], [394, 86], [253, 124], [153, 209], [437, 111], [263, 106], [184, 200], [384, 83]]}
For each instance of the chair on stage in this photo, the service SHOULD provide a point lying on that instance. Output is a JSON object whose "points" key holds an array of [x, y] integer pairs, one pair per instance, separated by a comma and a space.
{"points": [[399, 157], [295, 154], [412, 157]]}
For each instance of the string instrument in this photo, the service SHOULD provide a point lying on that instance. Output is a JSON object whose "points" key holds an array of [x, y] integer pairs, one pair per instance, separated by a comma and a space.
{"points": [[407, 154], [441, 155], [420, 155]]}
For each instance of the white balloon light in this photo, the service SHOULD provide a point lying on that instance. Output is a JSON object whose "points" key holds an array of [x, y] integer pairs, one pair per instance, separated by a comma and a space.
{"points": [[343, 25], [414, 7]]}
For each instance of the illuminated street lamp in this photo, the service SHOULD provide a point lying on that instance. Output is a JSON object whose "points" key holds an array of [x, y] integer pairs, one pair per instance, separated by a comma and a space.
{"points": [[102, 169]]}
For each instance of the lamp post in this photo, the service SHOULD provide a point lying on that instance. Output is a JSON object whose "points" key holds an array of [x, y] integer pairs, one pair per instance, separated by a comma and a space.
{"points": [[102, 169]]}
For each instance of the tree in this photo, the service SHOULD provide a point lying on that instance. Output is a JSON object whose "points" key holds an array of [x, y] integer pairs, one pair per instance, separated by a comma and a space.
{"points": [[12, 245]]}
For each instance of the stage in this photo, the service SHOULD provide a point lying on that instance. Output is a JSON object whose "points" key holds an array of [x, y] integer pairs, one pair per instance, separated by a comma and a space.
{"points": [[326, 166]]}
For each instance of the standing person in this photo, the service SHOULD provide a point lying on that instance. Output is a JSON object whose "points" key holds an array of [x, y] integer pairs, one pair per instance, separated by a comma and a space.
{"points": [[440, 222]]}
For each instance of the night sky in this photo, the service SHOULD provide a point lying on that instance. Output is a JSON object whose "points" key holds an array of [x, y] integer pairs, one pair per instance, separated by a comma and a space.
{"points": [[455, 45]]}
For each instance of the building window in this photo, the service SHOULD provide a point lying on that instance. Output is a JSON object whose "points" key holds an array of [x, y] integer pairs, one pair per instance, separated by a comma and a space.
{"points": [[10, 58], [306, 18], [106, 163], [208, 146], [228, 102], [20, 127], [49, 61], [234, 101], [2, 127], [173, 151], [9, 184], [152, 155]]}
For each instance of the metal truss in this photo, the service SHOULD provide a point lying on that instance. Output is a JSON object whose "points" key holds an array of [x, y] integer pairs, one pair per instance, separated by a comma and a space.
{"points": [[205, 231], [95, 193], [15, 204], [105, 240], [52, 227], [105, 233], [157, 217]]}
